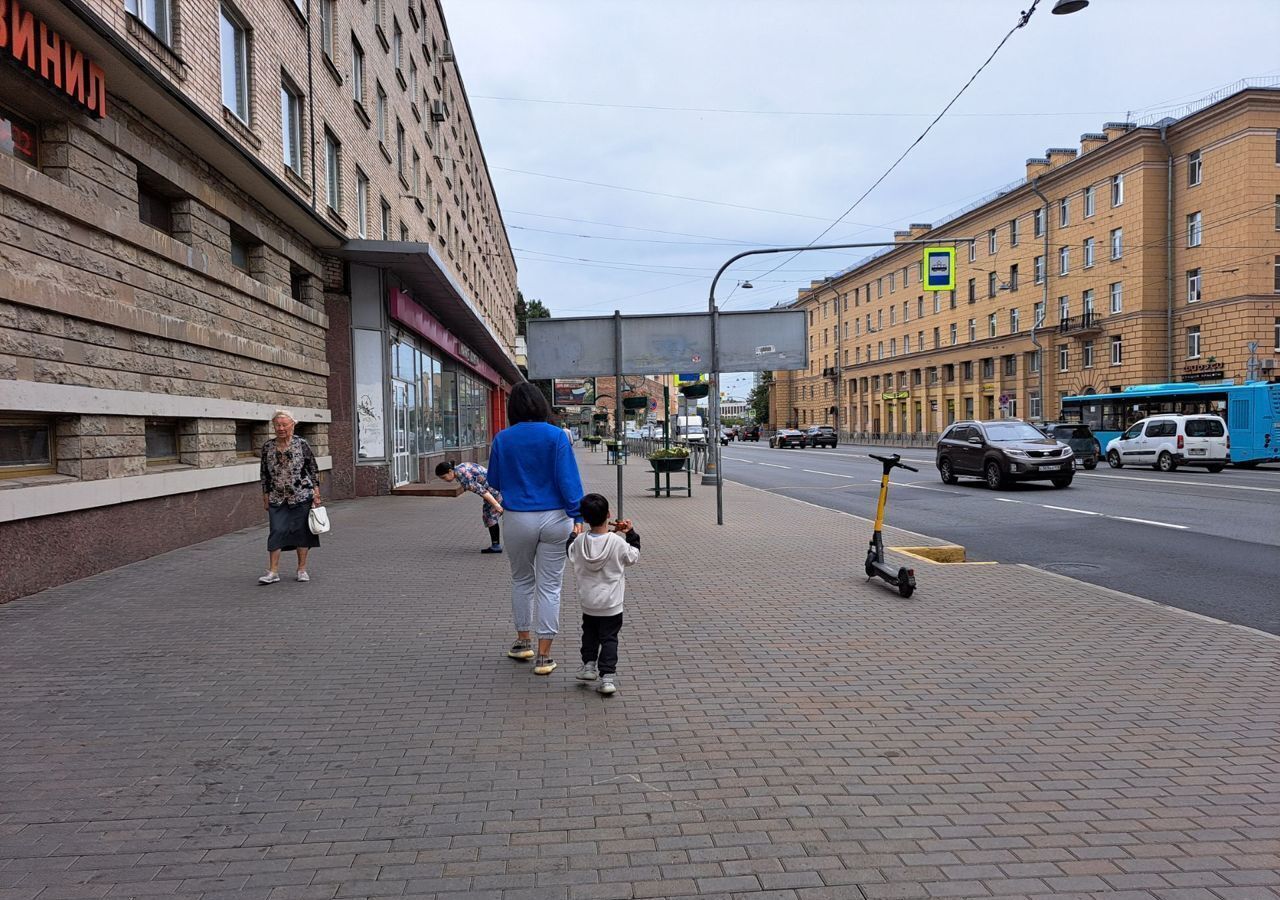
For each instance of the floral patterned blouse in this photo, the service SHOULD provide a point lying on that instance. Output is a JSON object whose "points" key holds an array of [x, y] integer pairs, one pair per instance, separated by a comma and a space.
{"points": [[475, 478], [289, 476]]}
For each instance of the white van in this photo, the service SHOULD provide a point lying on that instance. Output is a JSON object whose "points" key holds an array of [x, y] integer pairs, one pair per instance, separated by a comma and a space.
{"points": [[1168, 441], [690, 430]]}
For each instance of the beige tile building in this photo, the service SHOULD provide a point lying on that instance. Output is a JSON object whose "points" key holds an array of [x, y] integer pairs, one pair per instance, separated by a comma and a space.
{"points": [[210, 209], [1147, 255]]}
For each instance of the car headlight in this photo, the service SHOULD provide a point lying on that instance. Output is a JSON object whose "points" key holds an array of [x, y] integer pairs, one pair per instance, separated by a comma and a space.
{"points": [[1067, 451], [1010, 451]]}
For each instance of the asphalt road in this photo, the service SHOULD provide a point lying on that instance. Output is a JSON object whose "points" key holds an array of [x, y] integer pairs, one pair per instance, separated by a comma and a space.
{"points": [[1209, 543]]}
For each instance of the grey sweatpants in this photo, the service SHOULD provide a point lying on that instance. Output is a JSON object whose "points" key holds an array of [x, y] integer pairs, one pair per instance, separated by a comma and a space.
{"points": [[535, 543]]}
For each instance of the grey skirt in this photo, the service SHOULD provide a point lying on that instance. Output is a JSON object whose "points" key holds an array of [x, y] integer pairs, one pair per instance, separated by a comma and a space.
{"points": [[289, 529]]}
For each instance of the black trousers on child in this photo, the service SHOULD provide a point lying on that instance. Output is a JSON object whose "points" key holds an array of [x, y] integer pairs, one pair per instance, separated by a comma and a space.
{"points": [[600, 641]]}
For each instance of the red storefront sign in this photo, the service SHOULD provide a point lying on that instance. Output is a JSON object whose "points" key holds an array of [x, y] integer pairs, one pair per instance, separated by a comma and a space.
{"points": [[405, 309], [52, 58]]}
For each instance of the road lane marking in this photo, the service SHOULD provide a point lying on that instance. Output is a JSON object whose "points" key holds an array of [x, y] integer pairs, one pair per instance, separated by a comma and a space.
{"points": [[1149, 522], [1005, 499], [920, 487], [832, 474], [774, 466], [1083, 512], [1157, 480], [751, 462]]}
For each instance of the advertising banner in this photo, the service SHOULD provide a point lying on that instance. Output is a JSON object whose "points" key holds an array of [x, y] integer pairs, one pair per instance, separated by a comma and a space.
{"points": [[573, 392]]}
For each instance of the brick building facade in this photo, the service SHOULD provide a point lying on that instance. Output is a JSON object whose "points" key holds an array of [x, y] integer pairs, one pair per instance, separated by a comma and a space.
{"points": [[210, 210], [1149, 255]]}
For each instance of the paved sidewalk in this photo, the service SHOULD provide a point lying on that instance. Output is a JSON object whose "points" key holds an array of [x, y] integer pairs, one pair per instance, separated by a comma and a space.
{"points": [[783, 729]]}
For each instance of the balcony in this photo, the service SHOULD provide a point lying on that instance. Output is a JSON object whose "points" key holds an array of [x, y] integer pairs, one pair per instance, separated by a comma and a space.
{"points": [[1085, 324]]}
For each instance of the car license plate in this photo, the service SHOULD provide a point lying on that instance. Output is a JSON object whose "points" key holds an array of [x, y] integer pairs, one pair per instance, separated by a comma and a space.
{"points": [[1197, 452]]}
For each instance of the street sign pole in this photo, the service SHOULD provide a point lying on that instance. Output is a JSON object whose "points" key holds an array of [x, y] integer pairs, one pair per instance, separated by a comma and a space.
{"points": [[618, 430]]}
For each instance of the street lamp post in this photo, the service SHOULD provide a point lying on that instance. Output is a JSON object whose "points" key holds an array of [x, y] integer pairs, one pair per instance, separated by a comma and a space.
{"points": [[712, 474]]}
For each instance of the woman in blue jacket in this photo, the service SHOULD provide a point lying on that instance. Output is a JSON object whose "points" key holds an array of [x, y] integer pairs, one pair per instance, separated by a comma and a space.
{"points": [[532, 464]]}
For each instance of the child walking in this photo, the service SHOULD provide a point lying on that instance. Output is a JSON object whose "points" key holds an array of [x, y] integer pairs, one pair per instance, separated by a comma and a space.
{"points": [[599, 560]]}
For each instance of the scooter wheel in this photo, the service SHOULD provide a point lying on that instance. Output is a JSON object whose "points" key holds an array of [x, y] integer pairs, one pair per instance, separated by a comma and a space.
{"points": [[906, 583], [870, 570]]}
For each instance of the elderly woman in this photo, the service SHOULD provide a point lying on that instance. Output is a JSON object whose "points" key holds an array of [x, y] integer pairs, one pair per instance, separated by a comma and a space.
{"points": [[475, 478], [290, 488]]}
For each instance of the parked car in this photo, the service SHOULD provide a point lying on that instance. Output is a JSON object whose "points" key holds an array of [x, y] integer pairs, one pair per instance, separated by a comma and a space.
{"points": [[727, 435], [749, 433], [1002, 452], [821, 436], [1079, 438], [787, 437], [1166, 442]]}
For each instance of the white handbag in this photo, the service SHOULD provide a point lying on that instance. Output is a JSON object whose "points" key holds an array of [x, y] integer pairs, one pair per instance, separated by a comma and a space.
{"points": [[318, 520]]}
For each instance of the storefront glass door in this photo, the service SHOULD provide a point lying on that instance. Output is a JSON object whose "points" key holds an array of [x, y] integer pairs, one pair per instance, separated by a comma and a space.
{"points": [[403, 457]]}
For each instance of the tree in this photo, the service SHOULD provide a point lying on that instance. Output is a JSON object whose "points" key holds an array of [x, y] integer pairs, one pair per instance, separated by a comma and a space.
{"points": [[759, 398], [534, 309]]}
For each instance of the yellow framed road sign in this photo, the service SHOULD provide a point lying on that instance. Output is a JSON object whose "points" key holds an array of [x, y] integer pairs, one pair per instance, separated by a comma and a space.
{"points": [[939, 268]]}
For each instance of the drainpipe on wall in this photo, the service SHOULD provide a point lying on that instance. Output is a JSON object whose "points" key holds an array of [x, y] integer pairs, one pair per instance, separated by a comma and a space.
{"points": [[1035, 326], [311, 108], [1168, 255]]}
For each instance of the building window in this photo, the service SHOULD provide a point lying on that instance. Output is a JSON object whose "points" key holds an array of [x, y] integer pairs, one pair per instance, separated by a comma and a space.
{"points": [[291, 126], [386, 220], [973, 290], [1037, 221], [937, 301], [154, 208], [1064, 357], [1013, 232], [397, 43], [1087, 303], [879, 288], [973, 250], [880, 350], [1033, 361], [1276, 285], [326, 27], [1088, 252], [234, 45], [1277, 199], [1039, 314], [161, 442], [333, 171], [413, 83], [362, 204], [1278, 334], [155, 14], [991, 242], [242, 245], [246, 439], [1117, 350], [1064, 309], [920, 307], [1086, 354], [988, 367], [1193, 285], [18, 139], [1015, 321], [893, 347], [357, 71], [973, 330], [991, 284], [1033, 405], [1117, 297], [1193, 168], [26, 446], [1064, 260], [1117, 190], [1064, 212], [380, 113], [1195, 233], [966, 370], [893, 315], [991, 325], [1193, 342], [399, 148], [1037, 269], [404, 231], [1117, 243], [1088, 202], [1010, 365], [893, 282], [1013, 277]]}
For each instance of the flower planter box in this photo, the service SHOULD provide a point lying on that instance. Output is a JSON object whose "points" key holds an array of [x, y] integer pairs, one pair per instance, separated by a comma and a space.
{"points": [[670, 464]]}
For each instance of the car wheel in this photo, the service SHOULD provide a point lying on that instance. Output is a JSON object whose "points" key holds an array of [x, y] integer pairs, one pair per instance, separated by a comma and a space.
{"points": [[1097, 450], [1113, 460], [947, 473], [1063, 481], [1216, 468], [1166, 462], [1091, 465], [995, 477]]}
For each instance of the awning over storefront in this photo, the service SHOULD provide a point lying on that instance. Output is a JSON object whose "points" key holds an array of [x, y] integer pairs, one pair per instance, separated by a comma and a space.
{"points": [[421, 270]]}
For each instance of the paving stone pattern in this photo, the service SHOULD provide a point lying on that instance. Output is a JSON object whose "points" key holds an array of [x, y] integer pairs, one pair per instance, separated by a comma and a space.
{"points": [[783, 729]]}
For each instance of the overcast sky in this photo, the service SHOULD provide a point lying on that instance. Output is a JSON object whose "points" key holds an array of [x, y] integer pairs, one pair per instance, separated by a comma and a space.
{"points": [[770, 119]]}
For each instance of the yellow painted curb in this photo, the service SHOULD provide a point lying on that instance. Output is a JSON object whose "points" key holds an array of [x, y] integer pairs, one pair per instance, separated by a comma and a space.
{"points": [[946, 553]]}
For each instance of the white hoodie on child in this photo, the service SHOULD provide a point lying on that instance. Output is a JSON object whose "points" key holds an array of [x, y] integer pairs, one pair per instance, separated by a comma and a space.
{"points": [[599, 561]]}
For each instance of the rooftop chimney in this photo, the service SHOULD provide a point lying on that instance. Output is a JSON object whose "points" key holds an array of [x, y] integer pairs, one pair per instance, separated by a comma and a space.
{"points": [[1036, 166], [1059, 155], [1091, 141], [919, 228], [1115, 129], [901, 236]]}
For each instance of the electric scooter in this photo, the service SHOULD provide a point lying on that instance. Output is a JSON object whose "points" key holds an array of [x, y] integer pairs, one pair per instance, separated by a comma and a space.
{"points": [[903, 579]]}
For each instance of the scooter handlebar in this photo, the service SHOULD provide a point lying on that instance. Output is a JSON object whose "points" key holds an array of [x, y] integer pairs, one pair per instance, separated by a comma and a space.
{"points": [[893, 461]]}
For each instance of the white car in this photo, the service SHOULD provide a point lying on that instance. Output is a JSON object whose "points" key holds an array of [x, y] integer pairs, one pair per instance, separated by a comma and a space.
{"points": [[633, 434], [1168, 441]]}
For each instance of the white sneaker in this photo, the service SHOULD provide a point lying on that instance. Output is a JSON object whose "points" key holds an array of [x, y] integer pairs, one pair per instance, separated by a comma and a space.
{"points": [[269, 578], [607, 685], [588, 672], [303, 576]]}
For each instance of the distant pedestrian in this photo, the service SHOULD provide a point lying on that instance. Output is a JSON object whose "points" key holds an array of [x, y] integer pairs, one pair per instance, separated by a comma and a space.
{"points": [[290, 488], [599, 559], [533, 466], [475, 478]]}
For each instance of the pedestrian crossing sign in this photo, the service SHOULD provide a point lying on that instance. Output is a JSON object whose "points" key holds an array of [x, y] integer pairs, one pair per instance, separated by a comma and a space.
{"points": [[939, 268]]}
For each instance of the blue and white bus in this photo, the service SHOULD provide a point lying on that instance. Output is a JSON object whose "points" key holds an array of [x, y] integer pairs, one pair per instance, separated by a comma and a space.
{"points": [[1251, 411]]}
